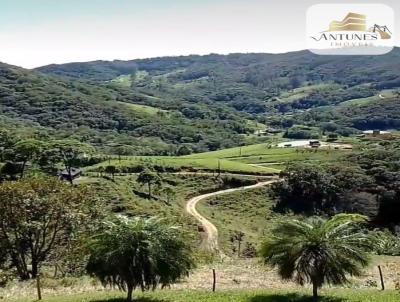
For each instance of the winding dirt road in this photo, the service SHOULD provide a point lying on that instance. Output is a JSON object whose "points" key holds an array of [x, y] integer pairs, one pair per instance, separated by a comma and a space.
{"points": [[210, 242]]}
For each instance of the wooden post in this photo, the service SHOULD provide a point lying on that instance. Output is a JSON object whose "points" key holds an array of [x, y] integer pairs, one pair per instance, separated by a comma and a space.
{"points": [[214, 280], [39, 291], [381, 276]]}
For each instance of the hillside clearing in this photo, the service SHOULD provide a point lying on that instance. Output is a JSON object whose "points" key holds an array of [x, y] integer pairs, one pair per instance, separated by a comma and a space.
{"points": [[149, 110], [271, 157], [186, 163], [375, 98], [302, 92]]}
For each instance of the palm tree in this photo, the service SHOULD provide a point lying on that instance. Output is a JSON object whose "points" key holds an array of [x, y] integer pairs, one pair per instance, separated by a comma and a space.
{"points": [[139, 253], [319, 251]]}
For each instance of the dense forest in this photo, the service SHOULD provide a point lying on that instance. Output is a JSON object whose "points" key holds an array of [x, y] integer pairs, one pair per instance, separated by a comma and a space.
{"points": [[108, 116]]}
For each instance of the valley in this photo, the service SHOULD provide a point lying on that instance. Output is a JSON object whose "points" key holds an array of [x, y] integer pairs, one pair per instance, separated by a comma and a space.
{"points": [[207, 156]]}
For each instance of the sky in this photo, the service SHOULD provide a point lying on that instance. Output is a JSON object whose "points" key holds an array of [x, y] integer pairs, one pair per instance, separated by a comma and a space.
{"points": [[39, 32]]}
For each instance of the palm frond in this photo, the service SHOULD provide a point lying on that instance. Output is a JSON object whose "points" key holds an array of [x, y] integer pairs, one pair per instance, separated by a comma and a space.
{"points": [[318, 250]]}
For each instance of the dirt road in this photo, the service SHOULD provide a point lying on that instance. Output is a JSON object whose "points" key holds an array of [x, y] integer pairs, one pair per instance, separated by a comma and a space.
{"points": [[210, 242]]}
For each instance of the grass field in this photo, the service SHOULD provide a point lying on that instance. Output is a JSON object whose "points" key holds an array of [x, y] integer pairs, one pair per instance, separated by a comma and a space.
{"points": [[341, 295], [283, 154], [261, 159], [262, 156], [257, 149], [375, 98], [126, 80], [144, 109], [301, 92], [285, 157], [187, 163], [123, 80]]}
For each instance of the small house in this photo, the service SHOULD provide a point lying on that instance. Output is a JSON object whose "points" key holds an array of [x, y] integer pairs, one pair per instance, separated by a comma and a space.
{"points": [[75, 173], [315, 144]]}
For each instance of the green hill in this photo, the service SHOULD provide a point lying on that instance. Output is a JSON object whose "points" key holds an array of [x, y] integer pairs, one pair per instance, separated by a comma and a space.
{"points": [[194, 104], [107, 115], [277, 89]]}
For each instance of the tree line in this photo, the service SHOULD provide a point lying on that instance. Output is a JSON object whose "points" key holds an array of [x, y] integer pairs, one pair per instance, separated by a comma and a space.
{"points": [[364, 182], [49, 156]]}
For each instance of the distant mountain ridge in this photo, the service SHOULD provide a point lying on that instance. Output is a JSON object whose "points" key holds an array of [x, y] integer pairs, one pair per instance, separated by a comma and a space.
{"points": [[107, 70]]}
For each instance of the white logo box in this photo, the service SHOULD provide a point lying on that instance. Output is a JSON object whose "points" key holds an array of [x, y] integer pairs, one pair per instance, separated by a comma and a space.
{"points": [[350, 29]]}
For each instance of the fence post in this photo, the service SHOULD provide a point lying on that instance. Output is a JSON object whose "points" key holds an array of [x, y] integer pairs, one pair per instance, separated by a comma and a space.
{"points": [[214, 280], [38, 287], [381, 276]]}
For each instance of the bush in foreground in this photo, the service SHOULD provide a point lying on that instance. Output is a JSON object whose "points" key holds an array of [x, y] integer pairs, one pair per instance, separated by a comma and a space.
{"points": [[319, 251], [139, 253]]}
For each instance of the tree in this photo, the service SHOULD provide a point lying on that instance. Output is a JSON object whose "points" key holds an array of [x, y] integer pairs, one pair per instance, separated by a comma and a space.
{"points": [[121, 150], [184, 150], [238, 236], [249, 250], [169, 193], [39, 216], [101, 170], [319, 251], [25, 151], [7, 140], [49, 160], [9, 171], [305, 188], [111, 170], [294, 82], [68, 152], [148, 177], [139, 253], [316, 189], [297, 132]]}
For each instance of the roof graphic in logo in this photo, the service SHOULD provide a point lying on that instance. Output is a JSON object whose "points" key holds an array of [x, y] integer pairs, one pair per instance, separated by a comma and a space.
{"points": [[357, 22], [353, 22]]}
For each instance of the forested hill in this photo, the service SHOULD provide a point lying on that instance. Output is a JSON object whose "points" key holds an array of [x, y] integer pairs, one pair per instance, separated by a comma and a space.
{"points": [[178, 105], [281, 89], [109, 115]]}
